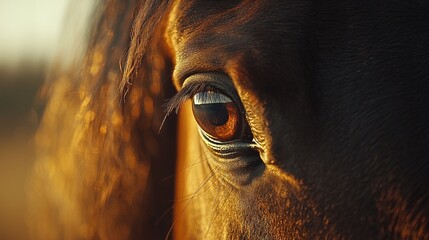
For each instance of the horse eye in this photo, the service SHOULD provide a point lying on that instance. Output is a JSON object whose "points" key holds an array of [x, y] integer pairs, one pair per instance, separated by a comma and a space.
{"points": [[217, 115]]}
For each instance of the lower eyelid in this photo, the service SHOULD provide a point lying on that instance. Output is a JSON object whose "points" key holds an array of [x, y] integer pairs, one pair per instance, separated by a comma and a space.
{"points": [[229, 148]]}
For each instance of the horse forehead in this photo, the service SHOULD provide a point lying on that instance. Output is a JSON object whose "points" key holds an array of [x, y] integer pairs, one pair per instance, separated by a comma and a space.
{"points": [[210, 36], [193, 26], [205, 20], [188, 16]]}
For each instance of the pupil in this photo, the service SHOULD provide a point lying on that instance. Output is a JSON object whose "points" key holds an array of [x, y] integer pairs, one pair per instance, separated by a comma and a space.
{"points": [[215, 113]]}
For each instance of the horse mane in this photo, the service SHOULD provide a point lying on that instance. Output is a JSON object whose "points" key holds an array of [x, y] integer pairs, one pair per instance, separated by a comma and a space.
{"points": [[101, 160]]}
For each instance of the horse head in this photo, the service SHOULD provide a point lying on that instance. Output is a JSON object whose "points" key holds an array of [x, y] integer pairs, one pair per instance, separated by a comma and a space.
{"points": [[297, 120]]}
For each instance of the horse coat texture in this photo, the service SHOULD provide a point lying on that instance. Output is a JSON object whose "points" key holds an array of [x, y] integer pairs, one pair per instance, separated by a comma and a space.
{"points": [[332, 97]]}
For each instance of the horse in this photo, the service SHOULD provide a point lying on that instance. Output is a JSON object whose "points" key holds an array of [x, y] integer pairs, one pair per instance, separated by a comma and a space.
{"points": [[295, 120]]}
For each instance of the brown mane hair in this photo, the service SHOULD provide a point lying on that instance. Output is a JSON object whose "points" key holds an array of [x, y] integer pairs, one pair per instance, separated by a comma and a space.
{"points": [[100, 156]]}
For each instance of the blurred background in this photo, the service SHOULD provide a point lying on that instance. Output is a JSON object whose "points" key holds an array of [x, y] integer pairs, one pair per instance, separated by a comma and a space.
{"points": [[35, 36]]}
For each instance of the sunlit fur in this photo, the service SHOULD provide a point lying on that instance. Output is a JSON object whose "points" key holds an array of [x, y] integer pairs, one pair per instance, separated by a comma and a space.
{"points": [[96, 177], [335, 93]]}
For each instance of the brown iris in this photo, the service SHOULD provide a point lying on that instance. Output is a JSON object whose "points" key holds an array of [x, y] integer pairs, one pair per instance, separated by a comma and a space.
{"points": [[217, 115]]}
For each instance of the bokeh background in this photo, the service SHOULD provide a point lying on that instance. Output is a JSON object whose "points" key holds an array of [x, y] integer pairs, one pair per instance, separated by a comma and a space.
{"points": [[35, 37]]}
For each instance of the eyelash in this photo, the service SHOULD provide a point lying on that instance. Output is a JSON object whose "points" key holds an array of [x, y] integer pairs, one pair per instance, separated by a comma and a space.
{"points": [[186, 93]]}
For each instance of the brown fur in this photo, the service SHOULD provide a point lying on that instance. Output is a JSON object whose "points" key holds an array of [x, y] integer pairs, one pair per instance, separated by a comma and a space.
{"points": [[92, 179], [328, 95]]}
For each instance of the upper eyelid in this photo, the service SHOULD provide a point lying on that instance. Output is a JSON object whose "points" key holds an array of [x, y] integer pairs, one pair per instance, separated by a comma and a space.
{"points": [[199, 82]]}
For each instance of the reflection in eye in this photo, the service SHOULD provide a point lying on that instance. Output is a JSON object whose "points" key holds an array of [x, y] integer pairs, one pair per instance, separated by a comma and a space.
{"points": [[217, 115]]}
